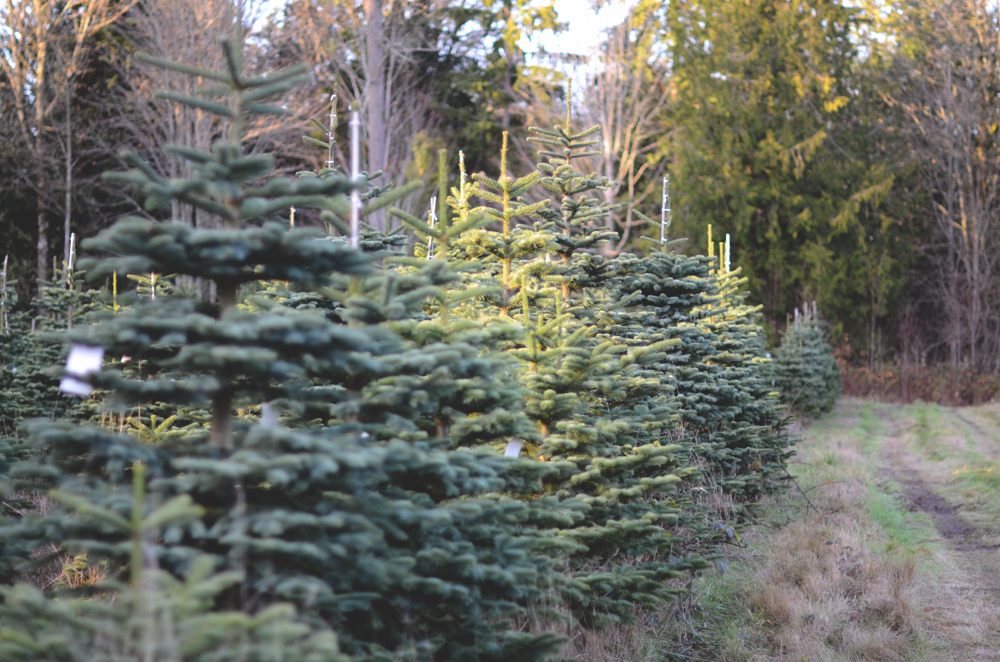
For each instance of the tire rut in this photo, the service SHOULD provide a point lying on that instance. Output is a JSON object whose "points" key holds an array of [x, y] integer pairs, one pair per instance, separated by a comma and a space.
{"points": [[920, 497], [972, 424], [970, 620]]}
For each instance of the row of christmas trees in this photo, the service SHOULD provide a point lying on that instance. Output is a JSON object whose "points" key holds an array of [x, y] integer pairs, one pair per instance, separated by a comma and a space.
{"points": [[340, 447]]}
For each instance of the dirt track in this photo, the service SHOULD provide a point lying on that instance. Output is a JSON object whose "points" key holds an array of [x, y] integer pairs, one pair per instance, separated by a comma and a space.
{"points": [[940, 463]]}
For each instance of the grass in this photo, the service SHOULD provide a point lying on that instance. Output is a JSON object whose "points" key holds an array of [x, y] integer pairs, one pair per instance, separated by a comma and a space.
{"points": [[815, 589], [927, 417], [983, 477], [854, 573], [869, 428], [907, 533], [977, 484], [836, 580], [963, 451]]}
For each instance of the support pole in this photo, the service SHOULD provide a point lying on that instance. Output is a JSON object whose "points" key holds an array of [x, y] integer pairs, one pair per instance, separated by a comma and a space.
{"points": [[355, 177]]}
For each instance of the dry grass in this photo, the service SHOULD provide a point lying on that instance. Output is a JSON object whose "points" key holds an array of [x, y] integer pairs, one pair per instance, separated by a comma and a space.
{"points": [[77, 572], [51, 568], [618, 643], [823, 592], [861, 576]]}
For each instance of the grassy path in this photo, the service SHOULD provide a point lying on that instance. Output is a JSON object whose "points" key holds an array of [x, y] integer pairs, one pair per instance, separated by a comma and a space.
{"points": [[895, 556]]}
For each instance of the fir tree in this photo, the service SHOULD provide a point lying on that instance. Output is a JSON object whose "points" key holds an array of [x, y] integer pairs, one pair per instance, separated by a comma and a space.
{"points": [[806, 370], [752, 443], [155, 616], [322, 441]]}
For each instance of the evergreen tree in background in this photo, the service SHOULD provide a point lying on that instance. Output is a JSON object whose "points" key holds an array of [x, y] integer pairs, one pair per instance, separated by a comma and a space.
{"points": [[742, 163], [805, 368]]}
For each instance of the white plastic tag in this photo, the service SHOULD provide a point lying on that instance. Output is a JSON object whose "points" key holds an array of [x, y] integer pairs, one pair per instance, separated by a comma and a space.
{"points": [[82, 361], [513, 448], [268, 415]]}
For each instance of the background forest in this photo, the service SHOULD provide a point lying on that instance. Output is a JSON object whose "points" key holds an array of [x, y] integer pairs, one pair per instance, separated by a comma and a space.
{"points": [[850, 148]]}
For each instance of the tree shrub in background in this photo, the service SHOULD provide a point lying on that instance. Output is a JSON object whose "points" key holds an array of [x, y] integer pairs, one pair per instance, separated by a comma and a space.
{"points": [[805, 368]]}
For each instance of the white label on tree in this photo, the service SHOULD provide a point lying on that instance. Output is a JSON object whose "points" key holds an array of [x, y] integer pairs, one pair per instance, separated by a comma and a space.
{"points": [[82, 361], [268, 415], [513, 448]]}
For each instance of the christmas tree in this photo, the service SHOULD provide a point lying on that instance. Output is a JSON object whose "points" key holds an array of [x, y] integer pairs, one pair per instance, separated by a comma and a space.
{"points": [[806, 370]]}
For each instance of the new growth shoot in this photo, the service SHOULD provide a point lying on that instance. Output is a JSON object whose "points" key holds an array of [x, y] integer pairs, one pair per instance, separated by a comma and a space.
{"points": [[431, 222], [665, 210]]}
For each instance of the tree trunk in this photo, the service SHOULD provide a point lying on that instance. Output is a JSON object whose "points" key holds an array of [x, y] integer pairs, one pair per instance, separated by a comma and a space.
{"points": [[609, 171], [42, 247], [222, 401]]}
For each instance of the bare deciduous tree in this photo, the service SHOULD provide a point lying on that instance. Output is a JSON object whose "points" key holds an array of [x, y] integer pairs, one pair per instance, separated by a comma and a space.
{"points": [[950, 96], [379, 55], [43, 45], [628, 93], [191, 32], [365, 51], [184, 31]]}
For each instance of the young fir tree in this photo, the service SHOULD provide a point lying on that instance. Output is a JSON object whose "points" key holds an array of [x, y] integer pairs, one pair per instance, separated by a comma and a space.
{"points": [[660, 295], [373, 197], [30, 345], [542, 265], [397, 542], [153, 616], [31, 352], [805, 368], [628, 472], [439, 385], [751, 443]]}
